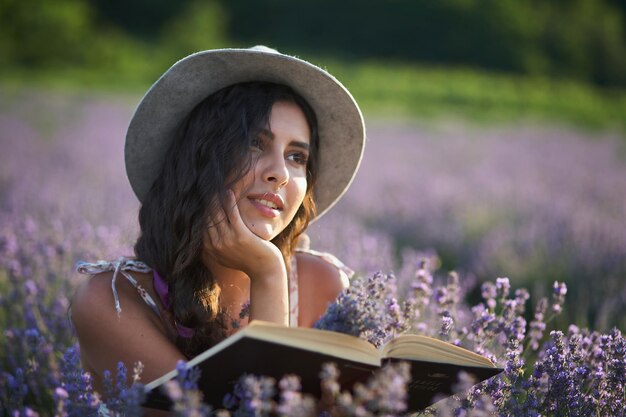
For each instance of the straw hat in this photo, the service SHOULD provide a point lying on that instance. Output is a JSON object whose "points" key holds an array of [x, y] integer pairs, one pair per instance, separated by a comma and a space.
{"points": [[189, 81]]}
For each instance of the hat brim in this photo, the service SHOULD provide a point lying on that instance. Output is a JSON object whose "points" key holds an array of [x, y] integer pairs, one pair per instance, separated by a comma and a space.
{"points": [[189, 81]]}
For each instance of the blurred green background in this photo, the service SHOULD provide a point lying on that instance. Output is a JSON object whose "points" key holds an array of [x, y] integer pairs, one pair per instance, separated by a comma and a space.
{"points": [[486, 60]]}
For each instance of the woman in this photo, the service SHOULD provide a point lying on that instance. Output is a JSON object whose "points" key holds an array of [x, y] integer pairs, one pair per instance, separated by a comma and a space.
{"points": [[230, 152]]}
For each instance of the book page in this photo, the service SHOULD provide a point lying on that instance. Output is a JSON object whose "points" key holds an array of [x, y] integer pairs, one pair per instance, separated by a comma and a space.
{"points": [[316, 340], [416, 347]]}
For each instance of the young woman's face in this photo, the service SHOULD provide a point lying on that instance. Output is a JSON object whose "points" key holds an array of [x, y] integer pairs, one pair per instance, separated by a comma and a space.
{"points": [[270, 194]]}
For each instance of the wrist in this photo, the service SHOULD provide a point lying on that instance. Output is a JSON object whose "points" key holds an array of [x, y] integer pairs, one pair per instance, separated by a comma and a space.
{"points": [[269, 298], [270, 276], [268, 269]]}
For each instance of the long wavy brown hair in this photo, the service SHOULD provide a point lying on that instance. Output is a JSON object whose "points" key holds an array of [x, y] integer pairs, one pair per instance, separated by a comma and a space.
{"points": [[209, 155]]}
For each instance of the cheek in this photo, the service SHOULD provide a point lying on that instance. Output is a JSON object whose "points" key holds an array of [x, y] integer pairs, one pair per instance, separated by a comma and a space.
{"points": [[299, 191]]}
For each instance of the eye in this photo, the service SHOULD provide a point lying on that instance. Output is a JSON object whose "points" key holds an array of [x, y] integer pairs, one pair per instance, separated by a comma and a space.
{"points": [[300, 158]]}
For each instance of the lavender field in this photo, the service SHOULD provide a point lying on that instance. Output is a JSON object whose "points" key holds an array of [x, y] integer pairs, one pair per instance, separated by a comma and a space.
{"points": [[535, 204]]}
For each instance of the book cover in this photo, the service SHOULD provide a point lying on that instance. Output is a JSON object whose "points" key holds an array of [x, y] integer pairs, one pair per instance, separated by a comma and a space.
{"points": [[275, 351]]}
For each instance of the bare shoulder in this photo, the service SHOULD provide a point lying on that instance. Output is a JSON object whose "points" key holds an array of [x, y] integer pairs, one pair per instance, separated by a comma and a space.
{"points": [[313, 269], [106, 338], [320, 282], [96, 319], [94, 300]]}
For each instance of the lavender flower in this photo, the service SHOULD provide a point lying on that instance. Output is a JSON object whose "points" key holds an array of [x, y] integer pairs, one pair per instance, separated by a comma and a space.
{"points": [[120, 397], [14, 390], [538, 326], [329, 384], [384, 394], [79, 398], [252, 397], [292, 402], [489, 293], [558, 296], [358, 311], [503, 287], [447, 323], [184, 392], [420, 291]]}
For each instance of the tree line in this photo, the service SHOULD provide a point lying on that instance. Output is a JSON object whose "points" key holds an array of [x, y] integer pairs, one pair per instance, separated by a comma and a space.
{"points": [[579, 39]]}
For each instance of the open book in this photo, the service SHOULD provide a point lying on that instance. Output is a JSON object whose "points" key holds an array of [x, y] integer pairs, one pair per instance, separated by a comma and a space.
{"points": [[268, 349]]}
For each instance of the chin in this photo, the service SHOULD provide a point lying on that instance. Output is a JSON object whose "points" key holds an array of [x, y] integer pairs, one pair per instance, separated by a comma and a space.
{"points": [[263, 231], [264, 235]]}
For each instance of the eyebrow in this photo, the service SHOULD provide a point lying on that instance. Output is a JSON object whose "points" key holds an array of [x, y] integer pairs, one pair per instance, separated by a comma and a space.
{"points": [[296, 143]]}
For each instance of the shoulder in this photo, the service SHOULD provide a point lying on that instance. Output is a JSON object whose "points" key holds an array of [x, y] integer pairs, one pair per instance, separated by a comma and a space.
{"points": [[93, 302], [320, 282], [92, 297], [323, 267], [320, 270], [106, 337]]}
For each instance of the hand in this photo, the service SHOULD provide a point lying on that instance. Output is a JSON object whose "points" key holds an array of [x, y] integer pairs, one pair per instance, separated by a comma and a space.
{"points": [[230, 243]]}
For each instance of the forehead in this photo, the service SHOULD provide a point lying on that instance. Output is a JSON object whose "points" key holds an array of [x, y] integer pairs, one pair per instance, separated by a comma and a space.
{"points": [[287, 121]]}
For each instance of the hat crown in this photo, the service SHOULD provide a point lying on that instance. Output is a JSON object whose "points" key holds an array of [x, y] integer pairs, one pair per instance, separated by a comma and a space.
{"points": [[190, 80], [263, 48]]}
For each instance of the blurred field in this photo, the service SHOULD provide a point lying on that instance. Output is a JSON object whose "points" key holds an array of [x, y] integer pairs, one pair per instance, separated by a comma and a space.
{"points": [[534, 202], [391, 90], [400, 90]]}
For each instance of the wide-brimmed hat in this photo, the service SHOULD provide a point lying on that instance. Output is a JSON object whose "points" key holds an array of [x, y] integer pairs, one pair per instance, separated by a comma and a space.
{"points": [[190, 80]]}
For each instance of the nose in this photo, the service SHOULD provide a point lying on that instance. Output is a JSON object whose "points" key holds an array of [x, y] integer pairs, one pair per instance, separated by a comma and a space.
{"points": [[276, 171]]}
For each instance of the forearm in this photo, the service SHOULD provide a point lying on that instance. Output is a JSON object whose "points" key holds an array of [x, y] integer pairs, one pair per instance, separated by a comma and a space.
{"points": [[269, 298]]}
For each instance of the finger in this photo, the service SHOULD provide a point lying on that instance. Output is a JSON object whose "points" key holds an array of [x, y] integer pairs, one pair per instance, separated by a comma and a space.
{"points": [[239, 226]]}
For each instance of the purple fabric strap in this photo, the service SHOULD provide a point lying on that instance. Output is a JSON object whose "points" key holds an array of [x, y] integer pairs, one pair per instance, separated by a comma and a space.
{"points": [[162, 290]]}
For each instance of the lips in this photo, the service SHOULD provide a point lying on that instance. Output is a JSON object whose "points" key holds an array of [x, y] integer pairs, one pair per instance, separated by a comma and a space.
{"points": [[268, 201], [268, 204]]}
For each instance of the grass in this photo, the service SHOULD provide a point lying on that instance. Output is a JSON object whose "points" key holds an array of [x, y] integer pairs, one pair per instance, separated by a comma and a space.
{"points": [[403, 90], [394, 90]]}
